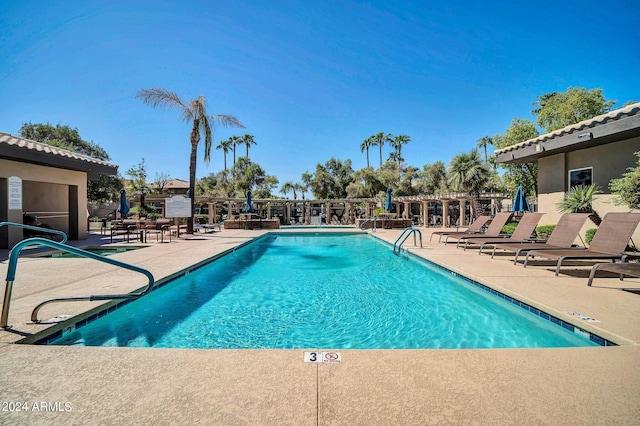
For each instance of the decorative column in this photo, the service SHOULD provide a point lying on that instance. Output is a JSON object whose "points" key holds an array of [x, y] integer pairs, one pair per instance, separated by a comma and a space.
{"points": [[463, 212], [445, 213], [211, 207], [424, 212]]}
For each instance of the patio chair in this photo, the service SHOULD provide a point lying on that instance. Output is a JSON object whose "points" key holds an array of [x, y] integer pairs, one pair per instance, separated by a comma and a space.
{"points": [[474, 228], [562, 237], [622, 268], [609, 242], [125, 227], [493, 230], [525, 228]]}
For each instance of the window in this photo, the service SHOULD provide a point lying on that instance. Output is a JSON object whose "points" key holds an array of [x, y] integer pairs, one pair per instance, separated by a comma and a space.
{"points": [[580, 177]]}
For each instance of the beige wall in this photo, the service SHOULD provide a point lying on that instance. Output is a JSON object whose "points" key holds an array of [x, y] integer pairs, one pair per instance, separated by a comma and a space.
{"points": [[609, 161], [46, 189]]}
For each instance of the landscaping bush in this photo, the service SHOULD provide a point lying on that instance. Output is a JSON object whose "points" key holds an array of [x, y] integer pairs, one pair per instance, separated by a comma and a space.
{"points": [[543, 231], [588, 236], [509, 228]]}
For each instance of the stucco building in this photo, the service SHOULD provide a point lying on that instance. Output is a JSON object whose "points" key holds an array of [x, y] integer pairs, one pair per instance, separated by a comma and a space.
{"points": [[46, 182], [591, 151]]}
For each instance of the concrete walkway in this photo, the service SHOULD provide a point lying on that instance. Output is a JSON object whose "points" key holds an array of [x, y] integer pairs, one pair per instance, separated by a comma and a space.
{"points": [[94, 385]]}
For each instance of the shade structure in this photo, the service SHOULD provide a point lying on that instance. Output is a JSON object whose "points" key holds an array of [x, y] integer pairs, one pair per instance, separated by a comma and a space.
{"points": [[124, 207], [247, 207], [520, 202], [387, 204]]}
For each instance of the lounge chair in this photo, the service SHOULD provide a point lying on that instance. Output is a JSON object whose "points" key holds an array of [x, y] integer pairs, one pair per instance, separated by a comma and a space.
{"points": [[526, 227], [474, 228], [609, 242], [622, 268], [493, 230], [562, 237]]}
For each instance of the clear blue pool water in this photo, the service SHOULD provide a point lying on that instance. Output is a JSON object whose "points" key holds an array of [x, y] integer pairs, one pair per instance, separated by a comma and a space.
{"points": [[321, 291]]}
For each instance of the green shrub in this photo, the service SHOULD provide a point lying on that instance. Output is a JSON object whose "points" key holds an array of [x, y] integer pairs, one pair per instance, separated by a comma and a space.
{"points": [[588, 236], [543, 231], [509, 228]]}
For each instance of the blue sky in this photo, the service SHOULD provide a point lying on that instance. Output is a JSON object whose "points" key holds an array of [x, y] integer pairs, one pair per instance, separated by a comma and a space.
{"points": [[310, 80]]}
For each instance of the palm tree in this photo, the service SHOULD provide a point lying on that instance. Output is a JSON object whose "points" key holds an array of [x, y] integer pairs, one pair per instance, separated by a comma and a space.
{"points": [[397, 143], [195, 111], [364, 146], [299, 187], [289, 186], [235, 140], [380, 139], [482, 143], [247, 140], [225, 147], [467, 172], [579, 199]]}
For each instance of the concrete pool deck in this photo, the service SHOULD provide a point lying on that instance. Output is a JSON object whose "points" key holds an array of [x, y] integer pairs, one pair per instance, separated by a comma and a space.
{"points": [[88, 385]]}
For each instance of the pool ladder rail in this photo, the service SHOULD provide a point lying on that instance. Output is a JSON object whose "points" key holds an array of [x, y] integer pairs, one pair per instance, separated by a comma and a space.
{"points": [[13, 263], [371, 219], [406, 233]]}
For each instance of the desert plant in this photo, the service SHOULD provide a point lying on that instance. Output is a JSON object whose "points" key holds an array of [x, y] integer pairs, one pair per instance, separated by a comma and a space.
{"points": [[579, 199]]}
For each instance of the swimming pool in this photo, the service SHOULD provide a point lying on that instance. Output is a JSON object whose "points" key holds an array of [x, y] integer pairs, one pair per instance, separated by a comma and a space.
{"points": [[322, 291]]}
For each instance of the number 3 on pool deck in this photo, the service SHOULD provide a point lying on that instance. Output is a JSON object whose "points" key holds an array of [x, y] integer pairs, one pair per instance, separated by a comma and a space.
{"points": [[312, 357]]}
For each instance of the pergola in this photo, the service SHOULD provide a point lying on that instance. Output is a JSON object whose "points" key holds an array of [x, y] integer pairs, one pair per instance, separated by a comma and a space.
{"points": [[272, 207]]}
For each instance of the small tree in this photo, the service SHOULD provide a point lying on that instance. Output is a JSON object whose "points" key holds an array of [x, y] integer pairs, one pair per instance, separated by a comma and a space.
{"points": [[627, 188], [579, 199]]}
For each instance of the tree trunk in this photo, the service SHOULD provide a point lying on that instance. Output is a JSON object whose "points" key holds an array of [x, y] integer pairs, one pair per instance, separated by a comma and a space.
{"points": [[195, 138]]}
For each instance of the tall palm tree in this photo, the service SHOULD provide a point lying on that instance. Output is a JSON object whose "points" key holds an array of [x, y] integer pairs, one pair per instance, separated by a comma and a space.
{"points": [[194, 111], [235, 140], [467, 172], [365, 145], [482, 143], [248, 141], [396, 144], [380, 139], [225, 146]]}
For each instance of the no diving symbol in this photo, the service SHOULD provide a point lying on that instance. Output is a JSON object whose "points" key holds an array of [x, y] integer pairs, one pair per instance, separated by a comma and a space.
{"points": [[331, 356]]}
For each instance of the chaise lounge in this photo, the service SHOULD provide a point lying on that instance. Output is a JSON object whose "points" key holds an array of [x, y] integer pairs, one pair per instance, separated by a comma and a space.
{"points": [[474, 228], [562, 237], [526, 227], [493, 230], [622, 268], [609, 242]]}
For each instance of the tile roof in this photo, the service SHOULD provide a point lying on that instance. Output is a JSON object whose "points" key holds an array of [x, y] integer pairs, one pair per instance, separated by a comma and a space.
{"points": [[583, 128], [21, 149]]}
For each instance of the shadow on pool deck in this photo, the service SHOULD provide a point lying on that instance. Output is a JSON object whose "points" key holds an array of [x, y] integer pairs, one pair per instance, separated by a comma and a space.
{"points": [[497, 386]]}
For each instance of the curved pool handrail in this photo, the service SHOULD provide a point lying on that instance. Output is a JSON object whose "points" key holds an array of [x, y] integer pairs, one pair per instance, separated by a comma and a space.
{"points": [[13, 263], [406, 232], [373, 229], [37, 228]]}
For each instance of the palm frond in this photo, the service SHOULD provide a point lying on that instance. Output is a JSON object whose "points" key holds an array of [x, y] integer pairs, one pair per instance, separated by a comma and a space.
{"points": [[157, 97], [225, 121]]}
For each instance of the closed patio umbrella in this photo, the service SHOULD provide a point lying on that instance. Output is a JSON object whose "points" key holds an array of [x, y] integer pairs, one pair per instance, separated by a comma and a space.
{"points": [[520, 202], [247, 207], [124, 207], [387, 204]]}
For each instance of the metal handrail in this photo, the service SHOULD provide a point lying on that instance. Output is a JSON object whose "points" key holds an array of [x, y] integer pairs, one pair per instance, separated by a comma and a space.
{"points": [[407, 231], [374, 219], [13, 263], [36, 228]]}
